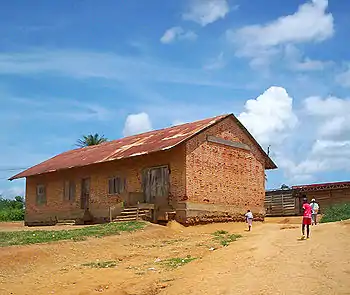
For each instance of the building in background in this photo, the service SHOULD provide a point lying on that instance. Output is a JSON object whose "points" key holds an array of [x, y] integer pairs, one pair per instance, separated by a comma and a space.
{"points": [[288, 201]]}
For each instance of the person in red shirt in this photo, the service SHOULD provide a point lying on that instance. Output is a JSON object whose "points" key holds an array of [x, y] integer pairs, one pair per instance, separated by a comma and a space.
{"points": [[306, 218]]}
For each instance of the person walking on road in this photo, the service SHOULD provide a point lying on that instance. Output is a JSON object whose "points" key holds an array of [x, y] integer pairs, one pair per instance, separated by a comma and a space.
{"points": [[249, 219], [306, 219], [315, 207]]}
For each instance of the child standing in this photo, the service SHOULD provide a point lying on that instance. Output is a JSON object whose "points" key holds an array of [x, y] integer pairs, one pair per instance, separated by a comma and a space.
{"points": [[306, 219], [249, 219]]}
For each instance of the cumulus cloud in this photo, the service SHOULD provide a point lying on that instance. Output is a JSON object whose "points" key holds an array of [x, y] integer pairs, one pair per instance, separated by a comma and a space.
{"points": [[333, 114], [177, 33], [205, 12], [270, 116], [137, 123], [330, 143], [310, 23]]}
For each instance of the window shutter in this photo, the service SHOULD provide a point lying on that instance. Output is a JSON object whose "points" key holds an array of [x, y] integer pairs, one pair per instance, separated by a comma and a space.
{"points": [[71, 190], [111, 186], [40, 194], [66, 191], [117, 185], [124, 185]]}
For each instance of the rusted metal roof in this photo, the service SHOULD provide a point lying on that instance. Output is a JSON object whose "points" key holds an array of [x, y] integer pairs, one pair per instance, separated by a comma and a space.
{"points": [[322, 186], [132, 146]]}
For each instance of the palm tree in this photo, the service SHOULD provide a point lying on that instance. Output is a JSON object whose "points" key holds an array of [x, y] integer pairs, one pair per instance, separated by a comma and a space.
{"points": [[89, 140]]}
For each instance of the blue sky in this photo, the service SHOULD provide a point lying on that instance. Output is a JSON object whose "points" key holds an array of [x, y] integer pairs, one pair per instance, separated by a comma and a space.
{"points": [[69, 68]]}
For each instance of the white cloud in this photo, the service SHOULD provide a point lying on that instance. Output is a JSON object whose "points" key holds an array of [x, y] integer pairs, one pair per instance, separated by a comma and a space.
{"points": [[205, 12], [104, 65], [344, 78], [330, 143], [330, 106], [298, 62], [40, 108], [216, 63], [325, 156], [137, 123], [310, 65], [12, 192], [333, 114], [310, 23], [270, 116], [177, 33]]}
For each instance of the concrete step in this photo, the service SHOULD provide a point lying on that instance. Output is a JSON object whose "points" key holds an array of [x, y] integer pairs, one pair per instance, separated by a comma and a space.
{"points": [[125, 219], [130, 209], [134, 212], [66, 222], [130, 216]]}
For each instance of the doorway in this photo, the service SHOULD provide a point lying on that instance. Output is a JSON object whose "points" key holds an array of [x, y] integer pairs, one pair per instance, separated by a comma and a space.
{"points": [[155, 183]]}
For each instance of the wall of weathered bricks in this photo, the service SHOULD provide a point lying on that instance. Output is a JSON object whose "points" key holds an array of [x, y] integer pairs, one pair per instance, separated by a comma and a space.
{"points": [[219, 174], [100, 201]]}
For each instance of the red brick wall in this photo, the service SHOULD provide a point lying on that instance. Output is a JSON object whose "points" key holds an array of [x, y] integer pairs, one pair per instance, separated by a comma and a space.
{"points": [[99, 175], [218, 174]]}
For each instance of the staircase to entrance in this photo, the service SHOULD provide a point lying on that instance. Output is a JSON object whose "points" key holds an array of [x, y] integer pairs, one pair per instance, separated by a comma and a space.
{"points": [[132, 214]]}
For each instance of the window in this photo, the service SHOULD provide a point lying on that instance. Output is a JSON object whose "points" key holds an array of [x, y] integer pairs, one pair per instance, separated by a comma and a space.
{"points": [[116, 185], [69, 191], [40, 194]]}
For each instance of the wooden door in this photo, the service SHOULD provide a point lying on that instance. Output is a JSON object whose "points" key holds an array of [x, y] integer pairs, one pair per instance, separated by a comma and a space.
{"points": [[155, 183], [85, 193]]}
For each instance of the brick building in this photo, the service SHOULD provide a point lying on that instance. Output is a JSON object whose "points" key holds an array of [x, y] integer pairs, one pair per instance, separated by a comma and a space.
{"points": [[289, 201], [209, 170]]}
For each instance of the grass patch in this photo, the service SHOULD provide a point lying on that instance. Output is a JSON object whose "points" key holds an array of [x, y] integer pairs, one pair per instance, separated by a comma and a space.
{"points": [[224, 238], [173, 263], [220, 232], [101, 264], [336, 213], [44, 236]]}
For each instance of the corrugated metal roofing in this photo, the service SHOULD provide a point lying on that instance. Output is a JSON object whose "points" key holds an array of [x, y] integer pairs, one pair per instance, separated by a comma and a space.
{"points": [[322, 185], [127, 147]]}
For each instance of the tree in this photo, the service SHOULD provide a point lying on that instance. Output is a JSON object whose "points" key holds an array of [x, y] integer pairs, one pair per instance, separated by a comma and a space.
{"points": [[89, 140], [284, 186]]}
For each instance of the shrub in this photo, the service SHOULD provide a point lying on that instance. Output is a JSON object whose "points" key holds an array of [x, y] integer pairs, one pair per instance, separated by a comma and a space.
{"points": [[336, 213], [11, 210], [12, 215]]}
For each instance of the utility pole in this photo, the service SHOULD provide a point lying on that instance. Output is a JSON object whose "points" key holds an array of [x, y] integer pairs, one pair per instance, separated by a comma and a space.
{"points": [[268, 150]]}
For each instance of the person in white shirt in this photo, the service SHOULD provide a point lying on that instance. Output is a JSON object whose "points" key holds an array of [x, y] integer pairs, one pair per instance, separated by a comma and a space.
{"points": [[249, 219], [315, 207]]}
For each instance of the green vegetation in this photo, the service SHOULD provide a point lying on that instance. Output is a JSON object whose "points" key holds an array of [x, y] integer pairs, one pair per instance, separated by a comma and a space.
{"points": [[101, 264], [91, 139], [336, 213], [172, 263], [12, 210], [44, 236], [224, 238]]}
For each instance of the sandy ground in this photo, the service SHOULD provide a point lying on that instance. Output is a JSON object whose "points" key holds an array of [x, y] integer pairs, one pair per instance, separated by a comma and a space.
{"points": [[269, 260]]}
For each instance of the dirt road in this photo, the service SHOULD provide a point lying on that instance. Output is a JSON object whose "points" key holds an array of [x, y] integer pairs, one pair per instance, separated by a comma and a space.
{"points": [[269, 260]]}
